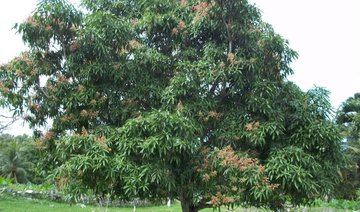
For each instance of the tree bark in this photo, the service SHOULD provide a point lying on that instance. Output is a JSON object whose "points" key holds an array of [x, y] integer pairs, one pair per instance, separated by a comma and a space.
{"points": [[186, 205]]}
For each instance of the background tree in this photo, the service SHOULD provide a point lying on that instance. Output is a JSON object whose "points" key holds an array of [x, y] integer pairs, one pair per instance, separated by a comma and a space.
{"points": [[349, 117], [15, 158], [180, 99]]}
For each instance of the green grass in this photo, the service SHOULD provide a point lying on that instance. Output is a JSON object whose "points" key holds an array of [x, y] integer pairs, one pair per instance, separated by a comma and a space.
{"points": [[19, 204], [8, 203], [16, 204]]}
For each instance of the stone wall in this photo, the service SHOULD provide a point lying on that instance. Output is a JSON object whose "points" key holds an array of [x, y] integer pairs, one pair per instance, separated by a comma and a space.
{"points": [[51, 195]]}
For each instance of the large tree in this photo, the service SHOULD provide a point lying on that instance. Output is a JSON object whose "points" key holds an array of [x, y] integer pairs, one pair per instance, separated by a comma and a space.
{"points": [[169, 98]]}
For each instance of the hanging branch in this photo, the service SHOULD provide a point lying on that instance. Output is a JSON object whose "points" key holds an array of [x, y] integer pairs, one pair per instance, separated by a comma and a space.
{"points": [[3, 127]]}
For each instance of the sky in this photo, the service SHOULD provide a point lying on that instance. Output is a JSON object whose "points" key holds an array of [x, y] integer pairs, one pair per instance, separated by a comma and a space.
{"points": [[325, 33]]}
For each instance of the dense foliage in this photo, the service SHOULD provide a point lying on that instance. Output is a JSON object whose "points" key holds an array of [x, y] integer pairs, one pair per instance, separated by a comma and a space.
{"points": [[172, 99]]}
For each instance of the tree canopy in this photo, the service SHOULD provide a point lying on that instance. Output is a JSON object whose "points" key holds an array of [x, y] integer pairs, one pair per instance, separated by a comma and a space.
{"points": [[172, 99]]}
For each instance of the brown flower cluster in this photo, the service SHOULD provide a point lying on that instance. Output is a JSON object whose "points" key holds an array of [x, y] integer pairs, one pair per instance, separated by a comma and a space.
{"points": [[206, 177], [33, 72], [19, 73], [40, 143], [62, 79], [66, 118], [61, 182], [179, 28], [229, 158], [97, 94], [252, 61], [210, 115], [266, 181], [204, 165], [231, 58], [50, 87], [81, 88], [261, 168], [4, 89], [48, 28], [183, 3], [252, 126], [102, 142], [117, 66], [204, 168], [73, 28], [134, 44], [80, 173], [87, 61], [74, 46], [220, 199], [222, 64], [35, 107], [84, 132], [214, 114], [49, 135], [93, 102], [31, 21], [84, 113], [103, 99], [91, 114], [201, 10], [134, 22]]}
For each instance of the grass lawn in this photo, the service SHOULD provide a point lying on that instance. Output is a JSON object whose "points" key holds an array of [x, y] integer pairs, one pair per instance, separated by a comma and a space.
{"points": [[12, 204], [18, 204]]}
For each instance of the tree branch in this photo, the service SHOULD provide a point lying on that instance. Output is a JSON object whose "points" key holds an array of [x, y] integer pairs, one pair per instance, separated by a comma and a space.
{"points": [[43, 92], [228, 28], [214, 85], [3, 127], [202, 205]]}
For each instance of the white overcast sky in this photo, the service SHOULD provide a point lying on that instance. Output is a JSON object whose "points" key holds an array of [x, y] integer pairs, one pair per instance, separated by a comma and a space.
{"points": [[325, 33]]}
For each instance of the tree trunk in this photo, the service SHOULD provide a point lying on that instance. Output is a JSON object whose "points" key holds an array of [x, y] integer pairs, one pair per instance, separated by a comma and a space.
{"points": [[186, 205]]}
